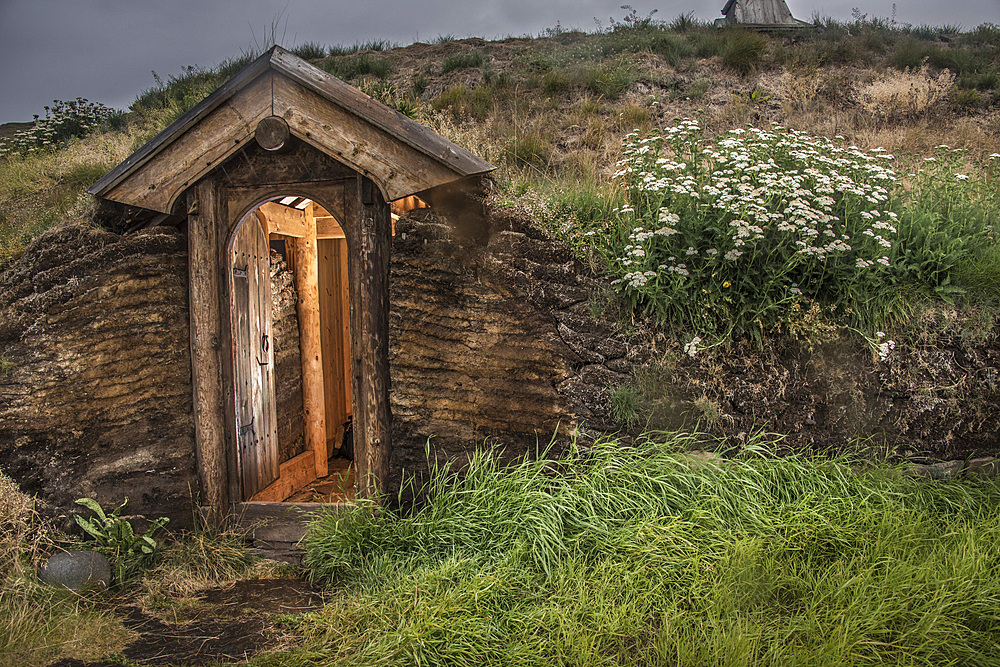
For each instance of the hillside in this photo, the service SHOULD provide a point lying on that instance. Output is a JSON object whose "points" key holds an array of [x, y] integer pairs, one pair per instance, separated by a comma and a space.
{"points": [[782, 248], [555, 114]]}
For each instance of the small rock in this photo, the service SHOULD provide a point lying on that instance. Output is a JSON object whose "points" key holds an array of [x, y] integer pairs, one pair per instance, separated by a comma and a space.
{"points": [[942, 470], [986, 466], [77, 570], [946, 469]]}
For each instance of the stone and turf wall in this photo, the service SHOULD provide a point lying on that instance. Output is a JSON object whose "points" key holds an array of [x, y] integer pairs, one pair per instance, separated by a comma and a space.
{"points": [[95, 390]]}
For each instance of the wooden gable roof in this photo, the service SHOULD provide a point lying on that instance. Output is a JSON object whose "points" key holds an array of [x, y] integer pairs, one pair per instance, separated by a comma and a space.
{"points": [[400, 155]]}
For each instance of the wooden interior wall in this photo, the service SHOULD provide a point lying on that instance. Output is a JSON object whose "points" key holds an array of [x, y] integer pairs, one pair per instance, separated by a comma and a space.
{"points": [[336, 335]]}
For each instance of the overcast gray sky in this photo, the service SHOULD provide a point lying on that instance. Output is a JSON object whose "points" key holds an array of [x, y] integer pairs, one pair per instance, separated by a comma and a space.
{"points": [[105, 50]]}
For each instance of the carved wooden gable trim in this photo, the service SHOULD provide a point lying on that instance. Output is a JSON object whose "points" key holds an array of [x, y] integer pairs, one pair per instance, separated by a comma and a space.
{"points": [[401, 156]]}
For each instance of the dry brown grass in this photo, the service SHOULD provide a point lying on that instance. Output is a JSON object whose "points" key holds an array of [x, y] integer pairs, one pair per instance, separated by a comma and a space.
{"points": [[37, 624], [20, 537], [195, 562], [507, 100], [907, 94]]}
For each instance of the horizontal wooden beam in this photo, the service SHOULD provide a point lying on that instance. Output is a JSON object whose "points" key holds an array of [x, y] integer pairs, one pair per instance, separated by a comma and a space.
{"points": [[284, 220]]}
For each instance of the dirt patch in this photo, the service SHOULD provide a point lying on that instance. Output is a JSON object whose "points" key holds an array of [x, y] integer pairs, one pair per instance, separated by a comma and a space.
{"points": [[228, 624]]}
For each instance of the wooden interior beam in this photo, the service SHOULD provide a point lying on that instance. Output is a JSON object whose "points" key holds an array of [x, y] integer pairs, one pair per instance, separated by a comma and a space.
{"points": [[284, 220], [310, 342], [243, 199]]}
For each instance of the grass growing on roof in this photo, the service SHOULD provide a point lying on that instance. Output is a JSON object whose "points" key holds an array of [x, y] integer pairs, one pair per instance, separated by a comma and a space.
{"points": [[644, 556]]}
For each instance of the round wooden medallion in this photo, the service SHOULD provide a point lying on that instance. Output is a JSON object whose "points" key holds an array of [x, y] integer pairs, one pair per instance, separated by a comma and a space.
{"points": [[272, 133]]}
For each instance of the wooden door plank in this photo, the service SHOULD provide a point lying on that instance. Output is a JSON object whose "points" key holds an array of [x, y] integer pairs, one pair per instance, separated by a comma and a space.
{"points": [[268, 435], [254, 388], [242, 270]]}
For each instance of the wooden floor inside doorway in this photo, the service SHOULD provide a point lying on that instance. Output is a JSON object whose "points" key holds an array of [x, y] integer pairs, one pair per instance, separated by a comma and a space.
{"points": [[336, 487]]}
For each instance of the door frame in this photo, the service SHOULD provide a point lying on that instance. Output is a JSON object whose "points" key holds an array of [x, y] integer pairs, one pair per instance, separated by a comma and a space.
{"points": [[215, 209]]}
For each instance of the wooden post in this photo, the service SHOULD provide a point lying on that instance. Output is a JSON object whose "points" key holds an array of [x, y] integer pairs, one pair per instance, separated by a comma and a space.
{"points": [[310, 343], [204, 291], [368, 253]]}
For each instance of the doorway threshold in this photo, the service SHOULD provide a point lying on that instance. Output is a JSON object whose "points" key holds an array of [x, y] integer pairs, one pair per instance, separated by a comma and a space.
{"points": [[274, 529]]}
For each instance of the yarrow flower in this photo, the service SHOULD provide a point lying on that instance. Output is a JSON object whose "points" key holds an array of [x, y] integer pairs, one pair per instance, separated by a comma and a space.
{"points": [[786, 201], [691, 348]]}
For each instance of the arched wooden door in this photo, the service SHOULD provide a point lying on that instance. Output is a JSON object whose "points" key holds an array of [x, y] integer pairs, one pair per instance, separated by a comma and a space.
{"points": [[253, 362]]}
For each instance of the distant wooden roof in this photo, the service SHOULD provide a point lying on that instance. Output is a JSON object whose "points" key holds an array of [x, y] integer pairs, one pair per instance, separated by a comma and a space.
{"points": [[400, 155], [760, 14]]}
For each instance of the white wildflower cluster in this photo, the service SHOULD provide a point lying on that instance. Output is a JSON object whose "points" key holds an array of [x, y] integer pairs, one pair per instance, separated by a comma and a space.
{"points": [[63, 120], [691, 347], [780, 193], [884, 347]]}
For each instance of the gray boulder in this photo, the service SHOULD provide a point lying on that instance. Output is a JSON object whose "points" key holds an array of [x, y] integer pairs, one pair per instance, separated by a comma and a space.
{"points": [[77, 570]]}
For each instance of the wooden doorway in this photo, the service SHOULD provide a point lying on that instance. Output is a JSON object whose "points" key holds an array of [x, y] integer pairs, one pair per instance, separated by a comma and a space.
{"points": [[314, 248]]}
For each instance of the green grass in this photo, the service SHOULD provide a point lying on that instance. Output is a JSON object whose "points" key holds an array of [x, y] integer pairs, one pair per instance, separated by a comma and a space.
{"points": [[528, 149], [40, 625], [743, 50], [371, 45], [624, 401], [476, 103], [350, 67], [310, 51], [644, 556], [609, 81], [462, 61]]}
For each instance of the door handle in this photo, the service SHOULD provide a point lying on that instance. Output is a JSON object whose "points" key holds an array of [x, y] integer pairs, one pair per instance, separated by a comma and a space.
{"points": [[265, 344]]}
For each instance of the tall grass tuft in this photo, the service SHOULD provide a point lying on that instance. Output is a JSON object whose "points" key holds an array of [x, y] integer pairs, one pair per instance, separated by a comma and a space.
{"points": [[310, 51], [462, 61], [743, 50], [192, 562], [351, 67], [608, 81], [646, 556]]}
